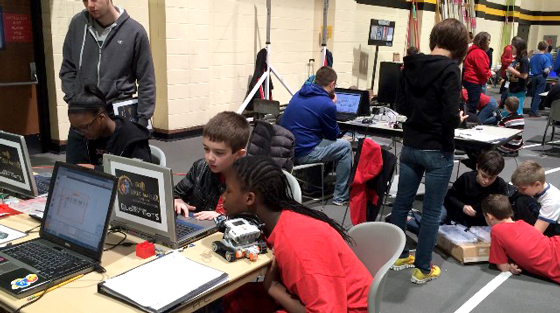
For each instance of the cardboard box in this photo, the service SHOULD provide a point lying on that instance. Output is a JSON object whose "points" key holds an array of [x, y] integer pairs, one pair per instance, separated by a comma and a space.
{"points": [[467, 253]]}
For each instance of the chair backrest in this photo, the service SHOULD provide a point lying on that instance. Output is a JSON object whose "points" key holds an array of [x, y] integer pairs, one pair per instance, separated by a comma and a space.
{"points": [[377, 245], [294, 186], [555, 111], [158, 157]]}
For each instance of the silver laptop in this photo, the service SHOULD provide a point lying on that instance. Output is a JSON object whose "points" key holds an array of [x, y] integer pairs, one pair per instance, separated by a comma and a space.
{"points": [[16, 174], [71, 236], [144, 204]]}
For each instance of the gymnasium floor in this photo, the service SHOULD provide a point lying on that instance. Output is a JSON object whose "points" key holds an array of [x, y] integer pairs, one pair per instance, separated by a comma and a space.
{"points": [[458, 283]]}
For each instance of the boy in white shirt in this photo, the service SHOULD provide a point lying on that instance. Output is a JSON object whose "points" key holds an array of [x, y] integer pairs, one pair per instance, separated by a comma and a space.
{"points": [[530, 180]]}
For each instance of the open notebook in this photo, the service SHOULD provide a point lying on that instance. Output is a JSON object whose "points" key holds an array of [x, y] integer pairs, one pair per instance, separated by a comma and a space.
{"points": [[164, 284]]}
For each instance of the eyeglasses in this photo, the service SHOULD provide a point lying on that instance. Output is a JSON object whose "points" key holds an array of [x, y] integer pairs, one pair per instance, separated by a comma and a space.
{"points": [[84, 129]]}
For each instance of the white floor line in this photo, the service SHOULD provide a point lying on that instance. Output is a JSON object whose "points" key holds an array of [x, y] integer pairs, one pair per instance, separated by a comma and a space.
{"points": [[475, 300], [531, 146], [550, 171]]}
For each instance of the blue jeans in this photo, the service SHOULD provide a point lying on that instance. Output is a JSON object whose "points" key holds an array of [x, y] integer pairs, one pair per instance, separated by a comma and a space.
{"points": [[539, 84], [487, 116], [437, 166], [474, 91], [339, 151]]}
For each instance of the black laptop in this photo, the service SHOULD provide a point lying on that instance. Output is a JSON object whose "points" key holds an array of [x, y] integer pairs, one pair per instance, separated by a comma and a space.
{"points": [[347, 104], [71, 237], [144, 204]]}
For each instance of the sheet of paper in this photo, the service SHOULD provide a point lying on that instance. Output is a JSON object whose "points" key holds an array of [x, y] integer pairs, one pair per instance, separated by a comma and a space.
{"points": [[34, 206], [477, 135], [160, 282], [7, 234]]}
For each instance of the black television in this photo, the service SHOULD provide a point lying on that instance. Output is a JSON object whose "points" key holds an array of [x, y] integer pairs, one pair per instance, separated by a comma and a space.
{"points": [[381, 33]]}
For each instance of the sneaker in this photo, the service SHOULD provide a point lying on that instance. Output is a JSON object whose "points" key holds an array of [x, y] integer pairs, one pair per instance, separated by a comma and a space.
{"points": [[403, 263], [535, 114], [340, 202], [420, 278]]}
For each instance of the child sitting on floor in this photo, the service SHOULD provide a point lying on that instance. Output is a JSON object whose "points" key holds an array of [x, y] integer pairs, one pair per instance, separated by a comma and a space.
{"points": [[515, 121], [463, 200], [530, 180], [519, 242]]}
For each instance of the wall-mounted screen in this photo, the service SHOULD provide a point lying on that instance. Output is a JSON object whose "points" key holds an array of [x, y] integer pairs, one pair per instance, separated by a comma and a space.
{"points": [[381, 33]]}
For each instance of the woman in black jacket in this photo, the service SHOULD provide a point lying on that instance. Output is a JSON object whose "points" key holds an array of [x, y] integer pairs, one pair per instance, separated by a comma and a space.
{"points": [[429, 96]]}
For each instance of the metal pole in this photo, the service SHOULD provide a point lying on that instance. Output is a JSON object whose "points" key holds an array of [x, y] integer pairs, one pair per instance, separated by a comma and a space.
{"points": [[374, 67], [324, 39], [267, 84]]}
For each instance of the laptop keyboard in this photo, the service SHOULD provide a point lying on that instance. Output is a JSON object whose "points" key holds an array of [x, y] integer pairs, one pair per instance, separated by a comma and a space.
{"points": [[42, 183], [183, 230], [50, 263]]}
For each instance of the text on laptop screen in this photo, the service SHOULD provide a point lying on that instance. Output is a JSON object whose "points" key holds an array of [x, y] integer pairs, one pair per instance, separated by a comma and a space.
{"points": [[78, 208], [347, 102], [141, 197], [13, 171]]}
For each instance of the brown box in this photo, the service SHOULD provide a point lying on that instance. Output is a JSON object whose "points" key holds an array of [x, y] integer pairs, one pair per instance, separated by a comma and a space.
{"points": [[468, 253]]}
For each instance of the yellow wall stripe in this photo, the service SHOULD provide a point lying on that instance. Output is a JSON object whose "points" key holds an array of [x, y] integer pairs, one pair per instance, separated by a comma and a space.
{"points": [[533, 18]]}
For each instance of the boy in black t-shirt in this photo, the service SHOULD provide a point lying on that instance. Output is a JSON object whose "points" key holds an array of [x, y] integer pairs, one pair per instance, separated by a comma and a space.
{"points": [[463, 201]]}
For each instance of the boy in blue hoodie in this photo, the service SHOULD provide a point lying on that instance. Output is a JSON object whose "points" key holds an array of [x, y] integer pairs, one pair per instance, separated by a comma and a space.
{"points": [[311, 117]]}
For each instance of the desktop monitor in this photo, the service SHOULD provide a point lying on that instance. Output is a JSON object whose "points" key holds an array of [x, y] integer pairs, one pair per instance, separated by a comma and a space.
{"points": [[352, 101], [381, 33], [15, 170]]}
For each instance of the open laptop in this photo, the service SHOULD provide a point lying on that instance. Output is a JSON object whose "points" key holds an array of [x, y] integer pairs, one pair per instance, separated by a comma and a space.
{"points": [[144, 204], [71, 236], [16, 174], [347, 104]]}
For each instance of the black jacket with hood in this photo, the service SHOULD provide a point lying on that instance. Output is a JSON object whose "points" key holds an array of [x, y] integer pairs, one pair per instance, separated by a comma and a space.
{"points": [[123, 59], [130, 140], [200, 188], [429, 95]]}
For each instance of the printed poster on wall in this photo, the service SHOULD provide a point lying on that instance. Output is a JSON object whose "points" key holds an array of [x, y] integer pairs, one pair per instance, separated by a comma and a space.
{"points": [[17, 27], [138, 195]]}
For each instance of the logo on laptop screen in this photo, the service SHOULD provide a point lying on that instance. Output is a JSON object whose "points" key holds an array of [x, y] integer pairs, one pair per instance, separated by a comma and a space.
{"points": [[24, 282]]}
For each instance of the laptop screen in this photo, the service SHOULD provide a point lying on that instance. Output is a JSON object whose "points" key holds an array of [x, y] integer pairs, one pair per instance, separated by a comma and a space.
{"points": [[78, 207], [144, 200], [14, 164], [348, 103]]}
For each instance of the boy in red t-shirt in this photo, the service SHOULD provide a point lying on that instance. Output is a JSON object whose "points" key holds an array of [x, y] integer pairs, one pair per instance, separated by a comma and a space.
{"points": [[516, 245]]}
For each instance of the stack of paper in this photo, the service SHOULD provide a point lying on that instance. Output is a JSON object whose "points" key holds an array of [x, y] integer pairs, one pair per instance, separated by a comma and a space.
{"points": [[163, 284]]}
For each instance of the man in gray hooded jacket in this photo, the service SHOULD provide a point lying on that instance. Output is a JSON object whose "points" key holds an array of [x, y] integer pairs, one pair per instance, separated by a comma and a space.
{"points": [[105, 47]]}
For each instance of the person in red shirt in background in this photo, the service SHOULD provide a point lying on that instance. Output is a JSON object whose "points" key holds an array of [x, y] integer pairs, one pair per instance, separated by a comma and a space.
{"points": [[314, 268], [476, 71], [487, 107], [506, 59], [519, 242]]}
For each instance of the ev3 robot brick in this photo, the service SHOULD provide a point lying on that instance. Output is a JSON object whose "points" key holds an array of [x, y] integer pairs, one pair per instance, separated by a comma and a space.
{"points": [[241, 240]]}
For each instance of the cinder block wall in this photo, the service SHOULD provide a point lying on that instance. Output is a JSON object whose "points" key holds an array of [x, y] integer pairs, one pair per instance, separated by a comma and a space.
{"points": [[204, 50]]}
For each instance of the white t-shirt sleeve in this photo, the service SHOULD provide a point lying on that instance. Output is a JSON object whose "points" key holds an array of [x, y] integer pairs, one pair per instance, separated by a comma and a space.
{"points": [[550, 206]]}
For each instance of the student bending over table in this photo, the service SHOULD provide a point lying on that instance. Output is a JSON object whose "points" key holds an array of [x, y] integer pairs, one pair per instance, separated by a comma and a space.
{"points": [[314, 269]]}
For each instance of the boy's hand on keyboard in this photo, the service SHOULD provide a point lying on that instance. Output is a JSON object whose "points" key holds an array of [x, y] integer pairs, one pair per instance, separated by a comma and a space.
{"points": [[206, 215], [181, 207]]}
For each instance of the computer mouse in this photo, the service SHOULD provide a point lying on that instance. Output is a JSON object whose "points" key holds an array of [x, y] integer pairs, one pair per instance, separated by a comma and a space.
{"points": [[367, 120]]}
